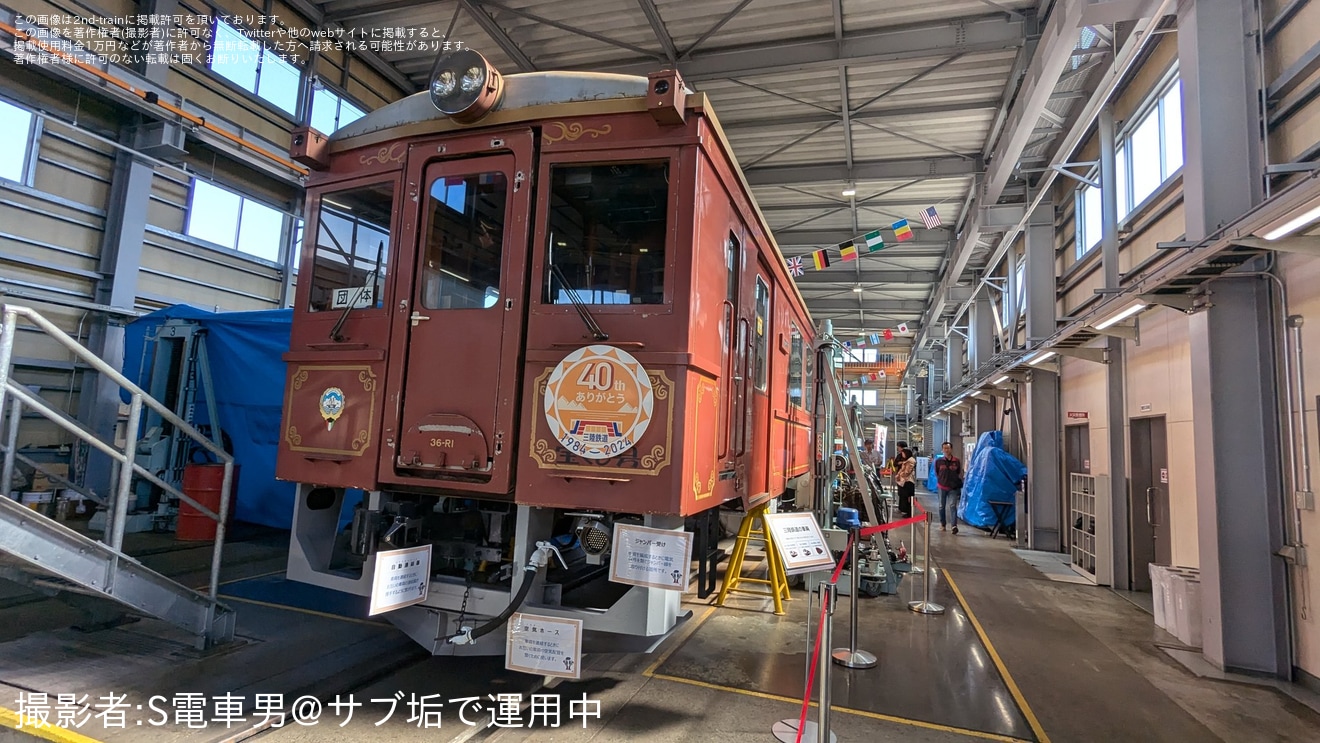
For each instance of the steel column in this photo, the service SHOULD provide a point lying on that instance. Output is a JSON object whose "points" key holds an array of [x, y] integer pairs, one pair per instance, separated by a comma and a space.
{"points": [[1045, 509], [1234, 353], [981, 332], [953, 361], [1116, 404]]}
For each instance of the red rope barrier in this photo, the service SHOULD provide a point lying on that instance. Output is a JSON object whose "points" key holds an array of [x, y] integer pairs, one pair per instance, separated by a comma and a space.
{"points": [[815, 652], [921, 516]]}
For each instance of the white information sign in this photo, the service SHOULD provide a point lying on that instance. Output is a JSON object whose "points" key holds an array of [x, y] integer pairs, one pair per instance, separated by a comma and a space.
{"points": [[546, 646], [657, 558], [360, 297], [402, 578], [923, 468], [800, 542]]}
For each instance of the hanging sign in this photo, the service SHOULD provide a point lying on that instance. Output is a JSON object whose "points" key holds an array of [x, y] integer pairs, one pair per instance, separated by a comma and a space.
{"points": [[545, 646], [656, 558], [800, 542], [598, 402], [402, 578], [1078, 415]]}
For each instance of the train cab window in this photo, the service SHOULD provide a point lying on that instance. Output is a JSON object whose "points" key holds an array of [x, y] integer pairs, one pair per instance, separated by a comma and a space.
{"points": [[352, 248], [795, 376], [606, 234], [465, 242], [762, 360]]}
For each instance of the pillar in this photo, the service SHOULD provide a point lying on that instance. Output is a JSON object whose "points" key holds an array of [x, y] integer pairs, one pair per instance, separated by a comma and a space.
{"points": [[1046, 509], [1239, 468], [980, 332], [1116, 405]]}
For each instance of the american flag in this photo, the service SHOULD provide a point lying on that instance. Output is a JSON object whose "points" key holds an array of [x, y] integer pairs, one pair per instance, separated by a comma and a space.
{"points": [[795, 266], [930, 218]]}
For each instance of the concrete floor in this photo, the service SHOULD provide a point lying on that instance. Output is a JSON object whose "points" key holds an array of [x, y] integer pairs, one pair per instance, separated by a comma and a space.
{"points": [[1033, 659]]}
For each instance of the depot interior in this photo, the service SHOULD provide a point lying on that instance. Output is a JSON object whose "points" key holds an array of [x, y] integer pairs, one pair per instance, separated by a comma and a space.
{"points": [[1120, 293]]}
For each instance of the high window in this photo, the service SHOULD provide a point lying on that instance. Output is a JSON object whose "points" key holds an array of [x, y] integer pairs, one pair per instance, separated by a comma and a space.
{"points": [[331, 111], [225, 218], [1147, 154], [795, 375], [252, 67], [607, 234], [761, 360], [17, 125]]}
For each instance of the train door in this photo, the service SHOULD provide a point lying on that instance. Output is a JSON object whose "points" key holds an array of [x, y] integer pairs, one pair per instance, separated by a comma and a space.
{"points": [[458, 405], [759, 414], [731, 394]]}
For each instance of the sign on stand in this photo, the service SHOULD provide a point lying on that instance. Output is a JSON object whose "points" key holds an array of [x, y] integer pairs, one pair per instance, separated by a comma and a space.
{"points": [[800, 542], [545, 646], [656, 558], [401, 579]]}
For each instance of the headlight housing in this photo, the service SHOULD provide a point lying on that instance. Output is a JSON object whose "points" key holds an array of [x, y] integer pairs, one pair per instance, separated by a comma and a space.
{"points": [[464, 85]]}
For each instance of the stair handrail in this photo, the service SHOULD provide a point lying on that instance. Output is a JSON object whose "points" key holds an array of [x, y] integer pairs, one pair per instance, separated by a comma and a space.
{"points": [[115, 528]]}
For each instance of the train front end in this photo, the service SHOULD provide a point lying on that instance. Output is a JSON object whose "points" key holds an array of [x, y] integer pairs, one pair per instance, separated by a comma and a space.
{"points": [[490, 371]]}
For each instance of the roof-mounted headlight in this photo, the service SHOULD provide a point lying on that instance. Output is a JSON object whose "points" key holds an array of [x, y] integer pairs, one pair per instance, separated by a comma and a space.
{"points": [[464, 86]]}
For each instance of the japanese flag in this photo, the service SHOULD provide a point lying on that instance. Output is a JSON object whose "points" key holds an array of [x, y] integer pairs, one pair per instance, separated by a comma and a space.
{"points": [[902, 327]]}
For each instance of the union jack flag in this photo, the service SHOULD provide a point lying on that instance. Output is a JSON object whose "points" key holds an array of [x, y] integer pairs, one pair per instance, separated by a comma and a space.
{"points": [[795, 266], [930, 218]]}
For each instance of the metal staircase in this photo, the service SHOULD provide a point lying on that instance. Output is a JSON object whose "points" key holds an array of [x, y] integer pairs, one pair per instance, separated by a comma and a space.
{"points": [[51, 558]]}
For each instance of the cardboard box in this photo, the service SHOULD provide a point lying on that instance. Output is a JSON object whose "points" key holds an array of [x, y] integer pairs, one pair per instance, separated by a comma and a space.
{"points": [[43, 484]]}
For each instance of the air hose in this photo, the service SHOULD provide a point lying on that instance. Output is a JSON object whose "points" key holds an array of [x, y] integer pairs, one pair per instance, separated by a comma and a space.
{"points": [[540, 558]]}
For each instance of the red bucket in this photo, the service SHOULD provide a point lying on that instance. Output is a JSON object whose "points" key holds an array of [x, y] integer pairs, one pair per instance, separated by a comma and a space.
{"points": [[203, 483]]}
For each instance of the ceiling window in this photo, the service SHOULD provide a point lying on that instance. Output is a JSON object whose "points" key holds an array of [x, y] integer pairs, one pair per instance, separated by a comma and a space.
{"points": [[331, 111], [252, 67], [225, 218], [15, 156]]}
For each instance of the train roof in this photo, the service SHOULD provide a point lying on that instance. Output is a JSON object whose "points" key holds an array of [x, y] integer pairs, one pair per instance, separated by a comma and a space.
{"points": [[532, 96]]}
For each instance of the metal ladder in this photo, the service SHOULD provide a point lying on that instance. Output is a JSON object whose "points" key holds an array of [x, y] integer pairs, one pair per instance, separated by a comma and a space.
{"points": [[48, 556]]}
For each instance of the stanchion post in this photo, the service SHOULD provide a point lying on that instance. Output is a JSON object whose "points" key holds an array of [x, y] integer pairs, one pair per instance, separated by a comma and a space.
{"points": [[829, 594], [913, 567], [851, 657], [926, 607]]}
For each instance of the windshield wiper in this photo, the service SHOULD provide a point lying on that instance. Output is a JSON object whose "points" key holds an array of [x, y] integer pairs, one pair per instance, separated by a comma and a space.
{"points": [[581, 306], [352, 303]]}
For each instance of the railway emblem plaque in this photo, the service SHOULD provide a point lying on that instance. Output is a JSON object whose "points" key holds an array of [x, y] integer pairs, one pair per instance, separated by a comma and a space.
{"points": [[332, 406], [598, 402]]}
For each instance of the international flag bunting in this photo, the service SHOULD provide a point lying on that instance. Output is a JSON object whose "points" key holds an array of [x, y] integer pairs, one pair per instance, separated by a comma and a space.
{"points": [[875, 339], [847, 344], [861, 343], [889, 334], [930, 218], [882, 373], [874, 241], [795, 266], [902, 231], [820, 259], [848, 251], [902, 327]]}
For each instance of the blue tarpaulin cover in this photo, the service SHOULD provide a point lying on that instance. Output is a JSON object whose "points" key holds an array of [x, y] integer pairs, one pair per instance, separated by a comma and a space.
{"points": [[933, 483], [993, 475], [245, 350]]}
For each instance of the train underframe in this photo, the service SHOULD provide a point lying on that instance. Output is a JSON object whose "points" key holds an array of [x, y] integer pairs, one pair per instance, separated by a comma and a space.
{"points": [[489, 559]]}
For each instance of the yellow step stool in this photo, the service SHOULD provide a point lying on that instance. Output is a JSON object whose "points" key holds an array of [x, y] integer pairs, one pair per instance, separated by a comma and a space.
{"points": [[753, 528]]}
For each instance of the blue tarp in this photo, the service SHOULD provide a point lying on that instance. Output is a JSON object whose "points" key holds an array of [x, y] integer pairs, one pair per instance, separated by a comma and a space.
{"points": [[932, 483], [993, 475], [247, 371]]}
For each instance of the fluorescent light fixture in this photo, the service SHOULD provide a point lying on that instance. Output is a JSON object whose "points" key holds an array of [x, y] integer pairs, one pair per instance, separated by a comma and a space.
{"points": [[977, 393], [1042, 358], [1002, 379], [1120, 316], [460, 278], [858, 288], [1293, 225], [849, 192]]}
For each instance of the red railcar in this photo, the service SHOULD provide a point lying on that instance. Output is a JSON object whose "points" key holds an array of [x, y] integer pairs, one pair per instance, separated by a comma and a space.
{"points": [[531, 307]]}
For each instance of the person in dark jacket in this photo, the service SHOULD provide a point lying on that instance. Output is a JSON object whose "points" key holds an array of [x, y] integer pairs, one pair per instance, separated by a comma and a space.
{"points": [[948, 473]]}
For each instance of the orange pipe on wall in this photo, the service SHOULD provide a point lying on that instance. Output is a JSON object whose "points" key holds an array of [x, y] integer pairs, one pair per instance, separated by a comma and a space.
{"points": [[23, 36]]}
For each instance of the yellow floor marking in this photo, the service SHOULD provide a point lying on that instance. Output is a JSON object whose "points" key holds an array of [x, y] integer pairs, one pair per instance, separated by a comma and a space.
{"points": [[650, 671], [311, 612], [999, 663], [11, 719], [844, 710]]}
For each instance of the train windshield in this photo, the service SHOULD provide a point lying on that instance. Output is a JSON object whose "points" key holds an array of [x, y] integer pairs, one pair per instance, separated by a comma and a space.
{"points": [[607, 231], [352, 248]]}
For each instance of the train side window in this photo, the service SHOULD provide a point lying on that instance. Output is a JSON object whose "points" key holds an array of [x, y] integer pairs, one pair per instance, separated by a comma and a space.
{"points": [[795, 376], [762, 360], [606, 235], [352, 248], [465, 242]]}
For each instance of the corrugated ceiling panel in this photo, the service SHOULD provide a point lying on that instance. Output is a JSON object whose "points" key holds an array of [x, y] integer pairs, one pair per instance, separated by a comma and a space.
{"points": [[759, 22], [859, 15]]}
